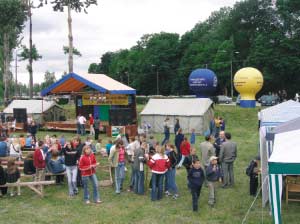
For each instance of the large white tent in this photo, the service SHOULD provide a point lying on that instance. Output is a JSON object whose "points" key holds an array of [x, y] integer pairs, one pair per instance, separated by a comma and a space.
{"points": [[285, 159], [192, 113], [270, 118]]}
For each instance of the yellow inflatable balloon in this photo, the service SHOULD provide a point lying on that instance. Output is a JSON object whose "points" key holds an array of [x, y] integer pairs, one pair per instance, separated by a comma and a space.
{"points": [[248, 81]]}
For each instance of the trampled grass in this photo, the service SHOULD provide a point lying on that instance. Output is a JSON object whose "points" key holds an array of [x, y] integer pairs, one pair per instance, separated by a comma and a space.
{"points": [[232, 204]]}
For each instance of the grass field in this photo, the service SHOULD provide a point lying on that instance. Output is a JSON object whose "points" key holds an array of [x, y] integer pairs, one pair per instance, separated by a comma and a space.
{"points": [[232, 204]]}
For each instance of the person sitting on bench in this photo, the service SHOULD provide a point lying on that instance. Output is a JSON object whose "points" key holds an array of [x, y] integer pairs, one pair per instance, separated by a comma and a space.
{"points": [[56, 164]]}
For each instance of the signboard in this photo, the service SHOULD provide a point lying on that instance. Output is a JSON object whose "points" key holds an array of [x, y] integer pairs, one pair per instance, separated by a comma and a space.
{"points": [[104, 99], [115, 130]]}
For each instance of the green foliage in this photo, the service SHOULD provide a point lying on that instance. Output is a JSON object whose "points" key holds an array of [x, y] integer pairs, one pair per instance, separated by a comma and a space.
{"points": [[12, 16], [75, 51], [253, 33], [77, 5], [49, 79], [25, 54]]}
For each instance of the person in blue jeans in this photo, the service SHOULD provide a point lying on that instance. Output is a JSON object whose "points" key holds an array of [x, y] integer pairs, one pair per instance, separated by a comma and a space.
{"points": [[117, 161], [171, 173], [87, 166], [159, 164], [138, 166], [166, 131]]}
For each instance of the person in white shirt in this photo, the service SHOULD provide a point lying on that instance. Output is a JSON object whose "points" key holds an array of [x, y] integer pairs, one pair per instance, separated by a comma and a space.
{"points": [[82, 122]]}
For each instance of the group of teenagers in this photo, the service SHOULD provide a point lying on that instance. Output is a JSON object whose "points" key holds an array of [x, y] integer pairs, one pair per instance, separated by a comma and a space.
{"points": [[78, 160]]}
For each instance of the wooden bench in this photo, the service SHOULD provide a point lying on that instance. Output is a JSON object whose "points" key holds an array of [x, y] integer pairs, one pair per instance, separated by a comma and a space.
{"points": [[292, 186], [33, 185], [109, 182]]}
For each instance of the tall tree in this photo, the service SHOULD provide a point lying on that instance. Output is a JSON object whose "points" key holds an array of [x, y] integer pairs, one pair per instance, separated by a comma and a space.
{"points": [[12, 17], [78, 6], [49, 79], [29, 6]]}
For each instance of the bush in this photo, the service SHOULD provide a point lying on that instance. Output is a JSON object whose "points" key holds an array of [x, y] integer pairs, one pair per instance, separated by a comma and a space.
{"points": [[142, 99]]}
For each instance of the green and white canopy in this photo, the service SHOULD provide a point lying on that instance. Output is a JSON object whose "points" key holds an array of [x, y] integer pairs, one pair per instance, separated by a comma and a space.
{"points": [[285, 159]]}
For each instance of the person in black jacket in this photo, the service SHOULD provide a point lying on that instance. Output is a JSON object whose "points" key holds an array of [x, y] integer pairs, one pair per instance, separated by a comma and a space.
{"points": [[252, 171], [2, 180], [196, 179], [171, 173], [188, 162], [33, 130], [71, 155], [29, 168]]}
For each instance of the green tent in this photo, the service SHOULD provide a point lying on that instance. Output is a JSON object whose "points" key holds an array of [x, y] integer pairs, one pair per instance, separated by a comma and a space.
{"points": [[285, 160]]}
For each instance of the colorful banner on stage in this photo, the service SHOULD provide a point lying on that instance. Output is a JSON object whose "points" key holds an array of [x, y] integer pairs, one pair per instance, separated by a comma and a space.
{"points": [[104, 99]]}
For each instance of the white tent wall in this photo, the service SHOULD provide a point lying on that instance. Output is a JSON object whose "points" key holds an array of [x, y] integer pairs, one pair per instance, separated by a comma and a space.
{"points": [[186, 123], [194, 113]]}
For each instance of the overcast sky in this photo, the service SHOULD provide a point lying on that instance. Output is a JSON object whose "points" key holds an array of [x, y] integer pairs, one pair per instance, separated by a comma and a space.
{"points": [[109, 26]]}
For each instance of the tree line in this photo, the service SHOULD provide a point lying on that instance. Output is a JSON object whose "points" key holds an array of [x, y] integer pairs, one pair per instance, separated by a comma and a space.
{"points": [[260, 33]]}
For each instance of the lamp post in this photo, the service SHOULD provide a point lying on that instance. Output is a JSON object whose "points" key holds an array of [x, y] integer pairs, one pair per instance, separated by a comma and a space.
{"points": [[157, 80], [16, 72], [231, 72]]}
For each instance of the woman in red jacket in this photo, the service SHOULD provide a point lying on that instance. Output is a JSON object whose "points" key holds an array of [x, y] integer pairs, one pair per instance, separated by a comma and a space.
{"points": [[159, 163], [87, 166], [185, 149]]}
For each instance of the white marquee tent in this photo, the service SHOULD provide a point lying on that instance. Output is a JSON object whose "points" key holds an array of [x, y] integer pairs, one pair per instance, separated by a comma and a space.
{"points": [[192, 113], [285, 159], [270, 118]]}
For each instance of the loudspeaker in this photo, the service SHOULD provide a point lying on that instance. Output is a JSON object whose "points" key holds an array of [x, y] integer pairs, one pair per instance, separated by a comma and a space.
{"points": [[20, 114], [120, 117]]}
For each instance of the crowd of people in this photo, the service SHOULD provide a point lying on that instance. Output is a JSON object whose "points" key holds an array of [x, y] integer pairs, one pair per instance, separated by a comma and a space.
{"points": [[77, 158]]}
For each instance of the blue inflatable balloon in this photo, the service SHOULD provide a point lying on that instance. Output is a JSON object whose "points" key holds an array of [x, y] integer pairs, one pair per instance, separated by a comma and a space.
{"points": [[203, 82]]}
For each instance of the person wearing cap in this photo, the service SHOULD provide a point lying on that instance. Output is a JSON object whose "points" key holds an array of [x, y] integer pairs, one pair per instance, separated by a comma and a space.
{"points": [[213, 175]]}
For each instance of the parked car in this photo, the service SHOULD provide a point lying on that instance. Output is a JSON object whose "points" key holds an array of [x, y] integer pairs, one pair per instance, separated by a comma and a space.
{"points": [[224, 99], [268, 100]]}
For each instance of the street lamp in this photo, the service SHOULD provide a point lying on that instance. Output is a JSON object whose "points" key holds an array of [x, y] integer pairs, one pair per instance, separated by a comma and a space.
{"points": [[231, 70], [157, 88]]}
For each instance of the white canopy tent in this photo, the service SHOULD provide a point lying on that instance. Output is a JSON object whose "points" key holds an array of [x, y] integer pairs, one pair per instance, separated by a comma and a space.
{"points": [[285, 159], [270, 118], [192, 113]]}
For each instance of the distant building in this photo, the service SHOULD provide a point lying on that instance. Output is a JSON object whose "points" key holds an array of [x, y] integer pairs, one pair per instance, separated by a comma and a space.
{"points": [[35, 108]]}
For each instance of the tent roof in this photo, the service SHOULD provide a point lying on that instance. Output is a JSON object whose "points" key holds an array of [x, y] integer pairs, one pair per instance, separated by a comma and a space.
{"points": [[32, 106], [177, 107], [285, 158], [280, 113], [100, 82], [288, 126]]}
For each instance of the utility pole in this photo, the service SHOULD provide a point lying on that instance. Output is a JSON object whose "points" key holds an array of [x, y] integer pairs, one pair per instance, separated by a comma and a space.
{"points": [[16, 72], [157, 88], [231, 81]]}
